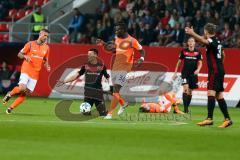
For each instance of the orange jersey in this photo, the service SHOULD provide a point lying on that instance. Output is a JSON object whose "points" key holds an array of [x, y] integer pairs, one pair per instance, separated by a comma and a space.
{"points": [[37, 53], [163, 106], [125, 53]]}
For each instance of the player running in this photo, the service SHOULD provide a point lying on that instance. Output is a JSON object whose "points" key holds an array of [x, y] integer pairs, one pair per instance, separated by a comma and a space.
{"points": [[93, 70], [192, 59], [215, 58], [35, 53], [123, 63]]}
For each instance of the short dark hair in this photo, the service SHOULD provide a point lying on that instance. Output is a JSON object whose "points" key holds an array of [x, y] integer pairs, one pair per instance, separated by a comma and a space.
{"points": [[45, 30], [210, 28], [122, 25], [94, 50]]}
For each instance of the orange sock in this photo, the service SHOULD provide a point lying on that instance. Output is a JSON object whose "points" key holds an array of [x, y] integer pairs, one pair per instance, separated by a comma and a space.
{"points": [[114, 103], [170, 98], [121, 101], [18, 101], [119, 98], [15, 90]]}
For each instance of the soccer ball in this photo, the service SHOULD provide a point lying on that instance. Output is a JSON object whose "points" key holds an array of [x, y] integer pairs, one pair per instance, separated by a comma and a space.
{"points": [[85, 108]]}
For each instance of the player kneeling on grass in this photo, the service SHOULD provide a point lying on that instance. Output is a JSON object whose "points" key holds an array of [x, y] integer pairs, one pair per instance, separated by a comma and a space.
{"points": [[164, 104], [94, 70], [34, 53]]}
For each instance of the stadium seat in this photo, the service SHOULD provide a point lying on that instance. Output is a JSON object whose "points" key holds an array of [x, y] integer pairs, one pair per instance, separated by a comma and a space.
{"points": [[1, 37], [6, 37], [8, 26], [122, 4], [45, 1], [39, 2], [12, 13], [18, 68], [65, 39], [27, 12], [10, 67], [3, 27], [20, 14], [30, 2]]}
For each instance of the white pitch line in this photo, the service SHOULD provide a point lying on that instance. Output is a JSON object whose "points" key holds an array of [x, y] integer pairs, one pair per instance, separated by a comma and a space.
{"points": [[90, 122]]}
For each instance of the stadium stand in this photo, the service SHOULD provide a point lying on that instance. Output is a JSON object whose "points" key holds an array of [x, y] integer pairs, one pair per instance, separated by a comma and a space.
{"points": [[155, 22], [152, 22]]}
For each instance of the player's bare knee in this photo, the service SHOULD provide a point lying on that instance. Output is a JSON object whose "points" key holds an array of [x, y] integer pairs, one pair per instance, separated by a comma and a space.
{"points": [[22, 87], [27, 92], [211, 93], [219, 95], [189, 92]]}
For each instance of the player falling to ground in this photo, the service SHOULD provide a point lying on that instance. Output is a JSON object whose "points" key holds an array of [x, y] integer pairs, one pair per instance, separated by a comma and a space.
{"points": [[215, 59], [93, 70], [35, 53], [192, 59], [164, 104], [123, 63]]}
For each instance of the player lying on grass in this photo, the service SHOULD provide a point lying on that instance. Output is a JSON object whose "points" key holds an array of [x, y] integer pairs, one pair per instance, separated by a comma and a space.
{"points": [[34, 54], [166, 101], [164, 104]]}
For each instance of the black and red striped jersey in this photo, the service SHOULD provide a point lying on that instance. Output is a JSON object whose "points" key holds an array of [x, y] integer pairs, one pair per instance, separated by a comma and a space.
{"points": [[214, 56], [93, 74], [190, 59]]}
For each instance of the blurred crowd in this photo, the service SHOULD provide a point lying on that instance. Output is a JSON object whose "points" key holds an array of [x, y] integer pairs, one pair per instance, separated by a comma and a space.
{"points": [[9, 76], [6, 5], [158, 22]]}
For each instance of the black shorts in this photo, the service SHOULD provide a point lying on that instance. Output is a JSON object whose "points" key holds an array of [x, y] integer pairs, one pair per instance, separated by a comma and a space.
{"points": [[93, 93], [191, 80], [93, 101], [215, 82], [95, 96]]}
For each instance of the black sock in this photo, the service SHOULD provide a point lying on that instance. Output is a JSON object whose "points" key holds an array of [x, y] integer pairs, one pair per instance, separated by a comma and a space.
{"points": [[223, 107], [185, 102], [189, 98], [101, 109], [211, 106]]}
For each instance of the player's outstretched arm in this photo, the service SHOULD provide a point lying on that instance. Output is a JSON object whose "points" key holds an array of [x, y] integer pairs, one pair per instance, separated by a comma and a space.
{"points": [[179, 62], [100, 42], [46, 65], [21, 55], [70, 79], [107, 46], [141, 59], [199, 38]]}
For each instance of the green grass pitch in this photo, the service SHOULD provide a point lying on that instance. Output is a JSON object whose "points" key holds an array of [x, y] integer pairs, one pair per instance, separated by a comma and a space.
{"points": [[34, 132]]}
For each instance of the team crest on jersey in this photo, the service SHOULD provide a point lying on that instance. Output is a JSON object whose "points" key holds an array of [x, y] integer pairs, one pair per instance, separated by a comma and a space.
{"points": [[125, 45]]}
